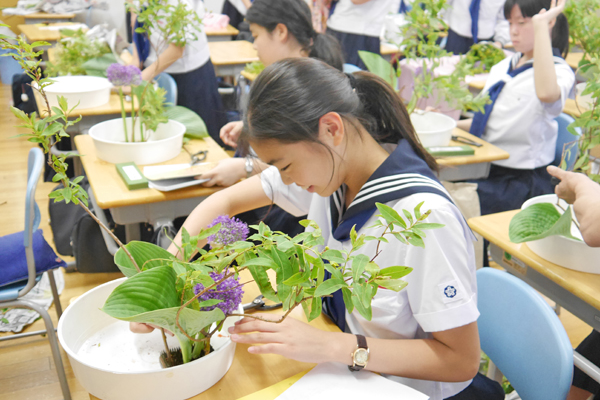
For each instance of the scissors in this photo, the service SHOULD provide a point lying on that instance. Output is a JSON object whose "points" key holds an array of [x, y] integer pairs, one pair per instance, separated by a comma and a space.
{"points": [[197, 157], [259, 304], [464, 140]]}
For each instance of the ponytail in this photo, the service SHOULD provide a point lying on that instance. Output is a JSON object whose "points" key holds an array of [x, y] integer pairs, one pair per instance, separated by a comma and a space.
{"points": [[296, 16], [529, 8], [290, 96]]}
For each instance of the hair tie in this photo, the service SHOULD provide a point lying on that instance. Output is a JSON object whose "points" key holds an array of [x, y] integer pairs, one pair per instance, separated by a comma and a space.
{"points": [[352, 80]]}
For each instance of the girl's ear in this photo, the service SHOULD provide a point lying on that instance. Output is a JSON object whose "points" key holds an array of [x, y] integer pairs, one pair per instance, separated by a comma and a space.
{"points": [[280, 33], [331, 129]]}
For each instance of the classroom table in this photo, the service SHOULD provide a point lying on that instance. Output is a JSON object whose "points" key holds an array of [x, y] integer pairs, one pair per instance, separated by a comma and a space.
{"points": [[388, 51], [573, 59], [253, 372], [578, 292], [39, 32], [573, 109], [44, 17], [131, 207], [221, 35], [230, 58]]}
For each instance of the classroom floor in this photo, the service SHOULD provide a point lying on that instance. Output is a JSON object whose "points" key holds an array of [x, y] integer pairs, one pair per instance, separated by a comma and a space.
{"points": [[27, 370]]}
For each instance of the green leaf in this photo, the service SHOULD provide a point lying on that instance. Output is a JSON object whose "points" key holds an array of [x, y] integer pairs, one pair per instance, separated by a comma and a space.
{"points": [[315, 308], [335, 256], [366, 312], [261, 278], [195, 128], [379, 66], [395, 272], [329, 286], [359, 264], [390, 215], [539, 221], [423, 226], [97, 66], [347, 294], [141, 253], [393, 284]]}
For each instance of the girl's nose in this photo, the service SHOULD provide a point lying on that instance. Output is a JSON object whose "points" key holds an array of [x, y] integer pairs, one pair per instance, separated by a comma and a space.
{"points": [[286, 179]]}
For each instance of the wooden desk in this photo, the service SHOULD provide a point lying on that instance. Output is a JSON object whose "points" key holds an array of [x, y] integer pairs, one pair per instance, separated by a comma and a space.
{"points": [[41, 17], [230, 58], [470, 167], [249, 76], [250, 373], [572, 109], [573, 59], [221, 35], [36, 33], [388, 51]]}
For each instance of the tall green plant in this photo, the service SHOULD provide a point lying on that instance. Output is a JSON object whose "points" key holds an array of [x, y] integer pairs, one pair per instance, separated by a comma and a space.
{"points": [[73, 51]]}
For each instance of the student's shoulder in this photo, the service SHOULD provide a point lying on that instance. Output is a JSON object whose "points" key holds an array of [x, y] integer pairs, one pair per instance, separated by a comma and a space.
{"points": [[441, 208]]}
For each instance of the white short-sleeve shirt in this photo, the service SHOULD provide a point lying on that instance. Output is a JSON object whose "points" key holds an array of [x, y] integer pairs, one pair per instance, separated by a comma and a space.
{"points": [[362, 19], [520, 123], [196, 52], [441, 291], [491, 23]]}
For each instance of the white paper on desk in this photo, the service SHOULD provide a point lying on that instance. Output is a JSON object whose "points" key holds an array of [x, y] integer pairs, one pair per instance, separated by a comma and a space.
{"points": [[168, 185], [73, 27], [334, 381]]}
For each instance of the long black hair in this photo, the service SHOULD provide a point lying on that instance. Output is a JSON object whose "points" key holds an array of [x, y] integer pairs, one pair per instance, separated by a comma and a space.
{"points": [[529, 8], [296, 16], [290, 96]]}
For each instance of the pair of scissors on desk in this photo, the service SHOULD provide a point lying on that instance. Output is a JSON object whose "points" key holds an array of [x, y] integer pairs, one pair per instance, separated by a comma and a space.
{"points": [[464, 140], [197, 157], [259, 304]]}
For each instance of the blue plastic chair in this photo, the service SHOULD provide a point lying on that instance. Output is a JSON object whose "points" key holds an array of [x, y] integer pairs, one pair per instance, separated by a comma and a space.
{"points": [[167, 82], [523, 337], [11, 295], [564, 137], [350, 68]]}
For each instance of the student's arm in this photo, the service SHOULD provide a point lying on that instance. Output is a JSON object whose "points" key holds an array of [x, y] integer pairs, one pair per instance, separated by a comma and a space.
{"points": [[546, 83], [171, 54], [247, 3], [464, 124], [584, 194], [501, 30], [450, 356], [244, 196]]}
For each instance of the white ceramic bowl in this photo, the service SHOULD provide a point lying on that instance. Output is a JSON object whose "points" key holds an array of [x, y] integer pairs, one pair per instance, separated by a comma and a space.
{"points": [[164, 143], [566, 252], [433, 129], [82, 319], [586, 100], [88, 91]]}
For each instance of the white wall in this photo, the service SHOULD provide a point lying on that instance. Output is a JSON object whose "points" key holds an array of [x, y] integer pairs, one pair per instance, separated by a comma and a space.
{"points": [[214, 6]]}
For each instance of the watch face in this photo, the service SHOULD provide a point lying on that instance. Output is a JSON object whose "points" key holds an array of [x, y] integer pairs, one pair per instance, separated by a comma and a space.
{"points": [[361, 356]]}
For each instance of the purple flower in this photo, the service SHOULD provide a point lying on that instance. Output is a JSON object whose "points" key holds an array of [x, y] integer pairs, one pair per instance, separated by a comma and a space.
{"points": [[124, 75], [229, 291], [232, 230]]}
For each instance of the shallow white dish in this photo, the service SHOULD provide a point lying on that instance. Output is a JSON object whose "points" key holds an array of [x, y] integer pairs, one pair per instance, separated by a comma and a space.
{"points": [[566, 252], [116, 374], [88, 91], [433, 129], [163, 144]]}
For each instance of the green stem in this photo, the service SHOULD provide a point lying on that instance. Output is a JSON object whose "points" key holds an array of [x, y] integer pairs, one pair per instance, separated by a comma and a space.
{"points": [[123, 115], [132, 116]]}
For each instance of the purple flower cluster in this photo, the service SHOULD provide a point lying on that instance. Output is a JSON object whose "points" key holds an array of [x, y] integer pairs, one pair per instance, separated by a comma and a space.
{"points": [[232, 230], [124, 75], [229, 291]]}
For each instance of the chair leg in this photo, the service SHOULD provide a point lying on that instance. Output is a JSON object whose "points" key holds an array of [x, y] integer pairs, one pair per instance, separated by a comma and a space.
{"points": [[60, 370], [55, 293]]}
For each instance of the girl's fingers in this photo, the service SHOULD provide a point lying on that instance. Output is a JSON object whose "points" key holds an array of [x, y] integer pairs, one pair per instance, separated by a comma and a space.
{"points": [[256, 338], [254, 326], [271, 348]]}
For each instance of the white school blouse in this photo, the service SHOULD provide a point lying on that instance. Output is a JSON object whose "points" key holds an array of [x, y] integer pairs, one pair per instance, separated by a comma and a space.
{"points": [[491, 19], [442, 290], [195, 54], [362, 19], [520, 123]]}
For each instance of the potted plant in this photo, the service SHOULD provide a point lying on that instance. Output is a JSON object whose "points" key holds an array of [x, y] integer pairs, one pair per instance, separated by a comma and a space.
{"points": [[192, 298]]}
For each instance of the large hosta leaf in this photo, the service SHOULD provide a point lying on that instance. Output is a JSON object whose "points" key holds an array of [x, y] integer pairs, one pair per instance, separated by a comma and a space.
{"points": [[97, 66], [195, 128], [539, 221], [379, 66], [146, 256]]}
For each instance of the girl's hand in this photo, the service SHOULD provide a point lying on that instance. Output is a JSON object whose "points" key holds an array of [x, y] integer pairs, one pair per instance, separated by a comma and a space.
{"points": [[230, 133], [566, 189], [137, 327], [226, 173], [548, 16], [290, 338]]}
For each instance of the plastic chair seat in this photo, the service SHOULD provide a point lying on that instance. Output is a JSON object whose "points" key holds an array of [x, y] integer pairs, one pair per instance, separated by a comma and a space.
{"points": [[11, 292]]}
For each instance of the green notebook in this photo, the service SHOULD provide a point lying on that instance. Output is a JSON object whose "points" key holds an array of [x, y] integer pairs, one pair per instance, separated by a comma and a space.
{"points": [[132, 176], [445, 151]]}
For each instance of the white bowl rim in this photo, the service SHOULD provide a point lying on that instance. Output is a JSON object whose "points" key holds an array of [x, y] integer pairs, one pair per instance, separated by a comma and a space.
{"points": [[72, 354], [97, 80], [549, 196], [134, 143], [440, 130]]}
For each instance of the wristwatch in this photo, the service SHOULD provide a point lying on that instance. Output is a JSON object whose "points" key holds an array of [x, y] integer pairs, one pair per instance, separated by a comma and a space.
{"points": [[360, 356], [249, 167]]}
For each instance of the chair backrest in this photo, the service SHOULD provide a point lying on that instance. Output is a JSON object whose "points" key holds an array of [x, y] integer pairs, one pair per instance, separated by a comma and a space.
{"points": [[35, 163], [523, 336], [167, 82], [566, 137], [350, 68]]}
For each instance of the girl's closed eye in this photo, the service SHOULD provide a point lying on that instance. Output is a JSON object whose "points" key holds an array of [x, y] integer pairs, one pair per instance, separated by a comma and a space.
{"points": [[286, 167]]}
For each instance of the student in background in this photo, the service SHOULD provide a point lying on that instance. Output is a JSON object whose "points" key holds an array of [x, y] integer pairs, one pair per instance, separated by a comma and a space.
{"points": [[357, 24], [527, 93], [190, 66], [319, 122], [472, 21], [281, 29], [236, 11], [584, 195]]}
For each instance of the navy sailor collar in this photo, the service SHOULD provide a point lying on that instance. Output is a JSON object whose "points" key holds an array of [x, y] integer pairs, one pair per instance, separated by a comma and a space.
{"points": [[402, 174]]}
